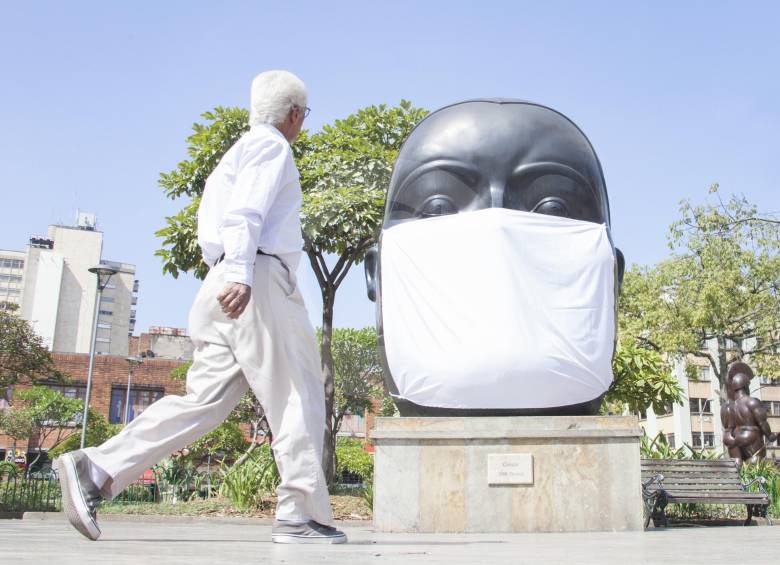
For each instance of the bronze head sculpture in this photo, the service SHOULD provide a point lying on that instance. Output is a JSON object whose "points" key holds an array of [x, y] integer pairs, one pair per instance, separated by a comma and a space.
{"points": [[538, 172], [743, 417]]}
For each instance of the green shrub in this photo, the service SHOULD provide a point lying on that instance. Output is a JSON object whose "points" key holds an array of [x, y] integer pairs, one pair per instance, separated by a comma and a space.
{"points": [[246, 484], [98, 431], [352, 458], [767, 469]]}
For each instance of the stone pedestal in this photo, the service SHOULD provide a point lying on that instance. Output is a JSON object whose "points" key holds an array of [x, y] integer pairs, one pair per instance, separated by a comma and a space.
{"points": [[507, 474]]}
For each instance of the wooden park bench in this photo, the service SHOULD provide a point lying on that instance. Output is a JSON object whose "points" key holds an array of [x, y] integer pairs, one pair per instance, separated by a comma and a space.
{"points": [[702, 481]]}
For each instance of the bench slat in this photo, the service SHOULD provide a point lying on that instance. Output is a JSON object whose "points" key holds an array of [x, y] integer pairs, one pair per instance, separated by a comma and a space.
{"points": [[689, 463], [700, 480], [684, 481], [702, 488], [693, 477], [684, 497], [689, 470]]}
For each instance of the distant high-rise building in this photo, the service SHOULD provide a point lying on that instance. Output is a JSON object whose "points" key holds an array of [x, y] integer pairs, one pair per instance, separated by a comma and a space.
{"points": [[56, 292], [11, 278]]}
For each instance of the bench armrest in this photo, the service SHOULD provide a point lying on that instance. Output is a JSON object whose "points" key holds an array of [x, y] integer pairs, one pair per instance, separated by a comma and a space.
{"points": [[761, 482], [658, 479]]}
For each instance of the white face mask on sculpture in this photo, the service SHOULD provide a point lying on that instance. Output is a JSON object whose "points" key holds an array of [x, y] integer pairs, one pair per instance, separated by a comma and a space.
{"points": [[498, 309]]}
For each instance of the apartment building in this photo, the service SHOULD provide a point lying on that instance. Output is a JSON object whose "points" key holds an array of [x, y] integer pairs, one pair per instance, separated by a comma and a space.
{"points": [[696, 422], [11, 278], [52, 287]]}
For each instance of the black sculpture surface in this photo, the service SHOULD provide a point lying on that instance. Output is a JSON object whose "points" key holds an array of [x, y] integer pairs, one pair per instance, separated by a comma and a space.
{"points": [[485, 154], [744, 419]]}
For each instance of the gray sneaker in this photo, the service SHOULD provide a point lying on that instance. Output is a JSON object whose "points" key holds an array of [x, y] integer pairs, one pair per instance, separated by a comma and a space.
{"points": [[307, 532], [80, 496]]}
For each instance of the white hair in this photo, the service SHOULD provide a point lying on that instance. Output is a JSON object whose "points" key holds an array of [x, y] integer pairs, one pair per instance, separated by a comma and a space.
{"points": [[274, 93]]}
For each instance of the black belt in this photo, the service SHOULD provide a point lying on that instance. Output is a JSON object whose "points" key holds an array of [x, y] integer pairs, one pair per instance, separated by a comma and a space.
{"points": [[259, 252]]}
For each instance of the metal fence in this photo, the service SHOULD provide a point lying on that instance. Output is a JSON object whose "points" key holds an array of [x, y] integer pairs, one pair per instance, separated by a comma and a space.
{"points": [[35, 493], [41, 493]]}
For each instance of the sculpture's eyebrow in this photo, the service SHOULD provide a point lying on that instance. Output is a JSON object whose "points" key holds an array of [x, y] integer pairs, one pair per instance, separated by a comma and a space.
{"points": [[466, 171], [548, 167]]}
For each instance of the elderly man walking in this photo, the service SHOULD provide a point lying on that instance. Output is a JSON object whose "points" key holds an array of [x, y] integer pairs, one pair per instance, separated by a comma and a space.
{"points": [[250, 329]]}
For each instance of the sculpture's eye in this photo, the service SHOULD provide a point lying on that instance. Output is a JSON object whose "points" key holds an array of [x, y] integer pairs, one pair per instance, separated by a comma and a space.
{"points": [[438, 205], [552, 207]]}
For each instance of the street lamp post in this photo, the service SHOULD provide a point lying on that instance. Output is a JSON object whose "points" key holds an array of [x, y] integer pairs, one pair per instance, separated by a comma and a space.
{"points": [[133, 362], [104, 274]]}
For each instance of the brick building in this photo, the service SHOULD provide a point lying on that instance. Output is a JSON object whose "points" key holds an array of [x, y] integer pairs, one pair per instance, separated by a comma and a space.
{"points": [[150, 381]]}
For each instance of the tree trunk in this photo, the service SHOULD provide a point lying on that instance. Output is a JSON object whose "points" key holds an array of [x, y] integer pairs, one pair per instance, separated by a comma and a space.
{"points": [[326, 353], [723, 365]]}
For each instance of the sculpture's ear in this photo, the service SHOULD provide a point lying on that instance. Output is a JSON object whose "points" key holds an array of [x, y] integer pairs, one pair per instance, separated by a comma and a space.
{"points": [[621, 266], [372, 256]]}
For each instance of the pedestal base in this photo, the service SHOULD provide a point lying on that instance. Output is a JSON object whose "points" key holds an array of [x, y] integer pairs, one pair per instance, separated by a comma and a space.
{"points": [[568, 473]]}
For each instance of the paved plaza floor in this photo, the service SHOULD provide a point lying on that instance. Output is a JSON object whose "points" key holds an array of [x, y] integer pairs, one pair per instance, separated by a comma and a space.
{"points": [[51, 541]]}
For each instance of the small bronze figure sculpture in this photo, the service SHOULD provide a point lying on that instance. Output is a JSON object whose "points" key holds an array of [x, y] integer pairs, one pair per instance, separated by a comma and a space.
{"points": [[495, 276], [744, 418]]}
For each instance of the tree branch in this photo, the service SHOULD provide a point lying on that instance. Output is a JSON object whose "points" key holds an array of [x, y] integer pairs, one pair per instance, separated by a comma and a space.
{"points": [[344, 272]]}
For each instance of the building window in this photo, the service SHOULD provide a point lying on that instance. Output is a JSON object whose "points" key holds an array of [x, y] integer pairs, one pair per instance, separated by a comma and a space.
{"points": [[352, 425], [708, 437], [704, 373], [103, 339], [140, 400], [700, 406], [11, 278], [668, 409], [104, 326], [772, 407], [12, 263], [670, 440], [106, 299], [70, 391], [106, 312]]}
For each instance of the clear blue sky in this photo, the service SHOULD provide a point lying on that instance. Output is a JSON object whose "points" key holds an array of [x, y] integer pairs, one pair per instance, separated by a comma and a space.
{"points": [[97, 99]]}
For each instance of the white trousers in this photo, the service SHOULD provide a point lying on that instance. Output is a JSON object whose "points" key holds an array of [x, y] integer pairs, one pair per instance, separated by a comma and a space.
{"points": [[271, 348]]}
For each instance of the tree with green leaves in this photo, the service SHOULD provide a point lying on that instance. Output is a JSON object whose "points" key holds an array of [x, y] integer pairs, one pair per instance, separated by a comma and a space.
{"points": [[345, 170], [42, 413], [206, 146], [718, 296], [99, 430], [642, 378], [357, 377], [23, 356]]}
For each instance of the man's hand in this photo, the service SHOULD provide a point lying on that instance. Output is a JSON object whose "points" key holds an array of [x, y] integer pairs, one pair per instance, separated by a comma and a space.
{"points": [[234, 298]]}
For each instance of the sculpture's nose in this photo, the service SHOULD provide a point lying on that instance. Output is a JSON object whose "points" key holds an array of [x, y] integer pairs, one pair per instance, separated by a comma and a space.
{"points": [[497, 190]]}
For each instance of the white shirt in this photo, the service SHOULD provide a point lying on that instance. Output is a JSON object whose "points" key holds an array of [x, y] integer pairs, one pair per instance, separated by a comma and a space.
{"points": [[252, 201]]}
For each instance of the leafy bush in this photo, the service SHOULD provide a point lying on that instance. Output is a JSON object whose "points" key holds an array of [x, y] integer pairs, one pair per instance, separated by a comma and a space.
{"points": [[765, 468], [98, 431], [659, 448], [246, 484], [173, 476], [225, 443], [352, 458], [8, 469]]}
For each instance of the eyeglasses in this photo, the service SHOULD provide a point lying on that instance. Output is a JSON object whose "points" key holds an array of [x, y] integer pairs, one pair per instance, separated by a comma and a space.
{"points": [[304, 109]]}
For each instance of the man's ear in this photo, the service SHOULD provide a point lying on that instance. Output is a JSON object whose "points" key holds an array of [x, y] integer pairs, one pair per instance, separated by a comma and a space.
{"points": [[621, 266], [372, 255]]}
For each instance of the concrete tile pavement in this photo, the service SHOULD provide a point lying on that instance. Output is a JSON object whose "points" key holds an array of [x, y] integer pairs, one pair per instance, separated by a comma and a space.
{"points": [[214, 540]]}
